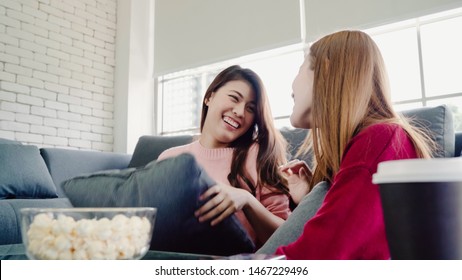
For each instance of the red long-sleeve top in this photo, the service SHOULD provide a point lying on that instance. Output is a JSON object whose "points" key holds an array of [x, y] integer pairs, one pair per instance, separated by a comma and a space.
{"points": [[349, 223]]}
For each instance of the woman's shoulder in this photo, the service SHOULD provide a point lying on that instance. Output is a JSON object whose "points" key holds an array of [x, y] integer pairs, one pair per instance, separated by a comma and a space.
{"points": [[377, 142], [380, 131], [379, 135]]}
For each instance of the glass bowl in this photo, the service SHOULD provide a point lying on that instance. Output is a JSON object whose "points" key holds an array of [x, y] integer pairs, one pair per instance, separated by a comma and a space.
{"points": [[87, 233]]}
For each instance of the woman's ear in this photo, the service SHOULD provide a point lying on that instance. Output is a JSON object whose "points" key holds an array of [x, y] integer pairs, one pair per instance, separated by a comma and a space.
{"points": [[207, 100]]}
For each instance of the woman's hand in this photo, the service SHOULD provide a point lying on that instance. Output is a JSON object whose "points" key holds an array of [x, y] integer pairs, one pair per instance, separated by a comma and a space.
{"points": [[298, 176], [224, 201]]}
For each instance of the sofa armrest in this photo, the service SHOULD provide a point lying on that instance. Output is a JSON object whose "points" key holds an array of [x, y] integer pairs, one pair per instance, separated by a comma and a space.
{"points": [[64, 164], [10, 218]]}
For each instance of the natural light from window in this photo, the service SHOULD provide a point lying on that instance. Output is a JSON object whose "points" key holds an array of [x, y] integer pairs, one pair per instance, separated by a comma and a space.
{"points": [[422, 56]]}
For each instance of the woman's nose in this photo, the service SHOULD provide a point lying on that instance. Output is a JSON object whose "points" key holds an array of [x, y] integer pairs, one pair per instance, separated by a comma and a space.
{"points": [[239, 110]]}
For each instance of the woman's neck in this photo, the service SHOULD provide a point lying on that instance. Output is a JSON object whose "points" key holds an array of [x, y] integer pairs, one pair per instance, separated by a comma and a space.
{"points": [[209, 142]]}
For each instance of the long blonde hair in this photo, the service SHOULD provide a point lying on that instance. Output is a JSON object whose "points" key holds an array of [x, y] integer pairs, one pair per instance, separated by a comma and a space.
{"points": [[350, 92]]}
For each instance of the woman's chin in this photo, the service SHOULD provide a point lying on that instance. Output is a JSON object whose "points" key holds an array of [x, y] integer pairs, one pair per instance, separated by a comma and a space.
{"points": [[297, 123]]}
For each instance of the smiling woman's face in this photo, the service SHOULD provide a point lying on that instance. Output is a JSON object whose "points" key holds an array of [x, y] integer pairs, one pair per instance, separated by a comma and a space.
{"points": [[302, 93], [230, 114]]}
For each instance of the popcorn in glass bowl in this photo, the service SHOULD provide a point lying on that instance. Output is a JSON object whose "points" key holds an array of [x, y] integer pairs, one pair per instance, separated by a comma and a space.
{"points": [[87, 233]]}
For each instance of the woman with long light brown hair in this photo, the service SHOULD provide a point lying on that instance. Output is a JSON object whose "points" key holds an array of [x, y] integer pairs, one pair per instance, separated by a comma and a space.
{"points": [[240, 148], [342, 94]]}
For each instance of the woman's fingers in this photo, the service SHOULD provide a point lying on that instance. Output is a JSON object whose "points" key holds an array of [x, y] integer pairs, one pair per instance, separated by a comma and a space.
{"points": [[207, 212], [304, 174], [229, 211], [221, 202], [211, 204], [210, 192], [294, 167], [289, 165], [218, 207]]}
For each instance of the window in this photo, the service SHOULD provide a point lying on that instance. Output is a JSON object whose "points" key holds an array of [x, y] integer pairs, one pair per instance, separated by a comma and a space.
{"points": [[180, 100], [181, 93], [182, 103], [422, 57], [442, 57], [277, 74], [402, 62]]}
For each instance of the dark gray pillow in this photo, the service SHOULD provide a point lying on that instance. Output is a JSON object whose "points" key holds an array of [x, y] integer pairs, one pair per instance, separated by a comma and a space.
{"points": [[292, 228], [24, 173], [172, 186], [439, 122]]}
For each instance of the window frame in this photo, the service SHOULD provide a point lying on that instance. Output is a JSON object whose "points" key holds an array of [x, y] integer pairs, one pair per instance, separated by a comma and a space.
{"points": [[205, 71]]}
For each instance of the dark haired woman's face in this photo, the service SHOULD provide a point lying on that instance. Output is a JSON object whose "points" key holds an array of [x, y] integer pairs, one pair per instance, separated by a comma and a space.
{"points": [[231, 113]]}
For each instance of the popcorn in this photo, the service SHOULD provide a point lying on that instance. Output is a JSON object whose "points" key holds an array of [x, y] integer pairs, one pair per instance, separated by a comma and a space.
{"points": [[121, 237]]}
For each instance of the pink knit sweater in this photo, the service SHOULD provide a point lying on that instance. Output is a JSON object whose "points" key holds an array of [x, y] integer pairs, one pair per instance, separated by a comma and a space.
{"points": [[349, 224], [217, 164]]}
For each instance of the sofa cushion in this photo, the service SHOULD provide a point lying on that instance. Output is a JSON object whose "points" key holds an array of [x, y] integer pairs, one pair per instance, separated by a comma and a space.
{"points": [[172, 186], [12, 252], [10, 216], [24, 173], [64, 164], [458, 145], [439, 122], [295, 138], [292, 228], [8, 141], [149, 148]]}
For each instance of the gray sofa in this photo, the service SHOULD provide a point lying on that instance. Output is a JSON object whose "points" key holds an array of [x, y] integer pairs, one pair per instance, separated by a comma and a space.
{"points": [[22, 164], [31, 168]]}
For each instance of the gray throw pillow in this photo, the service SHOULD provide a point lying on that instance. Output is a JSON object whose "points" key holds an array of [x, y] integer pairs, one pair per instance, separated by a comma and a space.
{"points": [[172, 186], [24, 173], [438, 121], [292, 228]]}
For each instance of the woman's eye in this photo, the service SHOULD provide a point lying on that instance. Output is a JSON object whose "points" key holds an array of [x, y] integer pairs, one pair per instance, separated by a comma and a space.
{"points": [[234, 98], [251, 109]]}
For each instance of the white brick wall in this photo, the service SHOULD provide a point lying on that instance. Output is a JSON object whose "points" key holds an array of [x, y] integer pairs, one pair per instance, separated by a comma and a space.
{"points": [[57, 72]]}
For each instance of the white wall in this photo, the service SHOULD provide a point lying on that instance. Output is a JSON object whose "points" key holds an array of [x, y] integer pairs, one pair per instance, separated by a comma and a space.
{"points": [[323, 17], [59, 84], [134, 83], [57, 60]]}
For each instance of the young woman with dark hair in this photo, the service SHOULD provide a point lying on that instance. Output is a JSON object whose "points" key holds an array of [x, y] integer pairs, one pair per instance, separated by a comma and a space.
{"points": [[240, 148]]}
